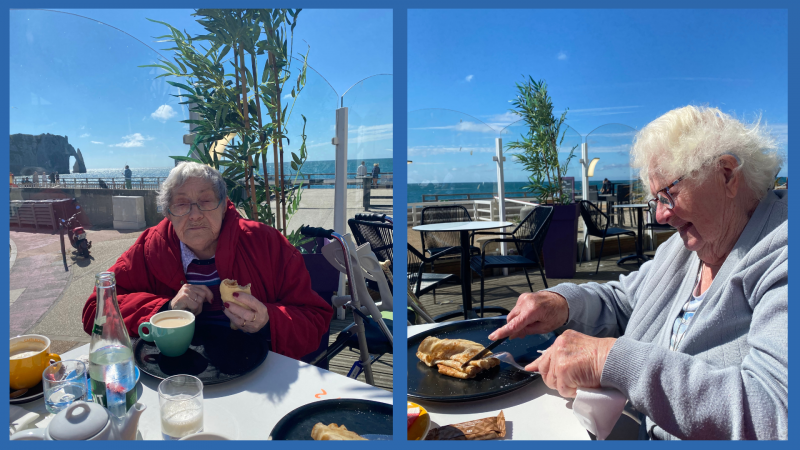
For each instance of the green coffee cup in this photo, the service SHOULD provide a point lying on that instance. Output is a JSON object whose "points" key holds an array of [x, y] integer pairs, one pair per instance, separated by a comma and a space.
{"points": [[172, 331]]}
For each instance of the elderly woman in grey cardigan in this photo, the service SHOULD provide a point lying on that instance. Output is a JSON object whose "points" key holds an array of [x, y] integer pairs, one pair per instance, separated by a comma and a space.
{"points": [[696, 339]]}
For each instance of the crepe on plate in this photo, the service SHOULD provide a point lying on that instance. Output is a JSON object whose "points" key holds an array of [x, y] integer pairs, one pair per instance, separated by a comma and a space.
{"points": [[226, 290], [449, 354], [333, 432]]}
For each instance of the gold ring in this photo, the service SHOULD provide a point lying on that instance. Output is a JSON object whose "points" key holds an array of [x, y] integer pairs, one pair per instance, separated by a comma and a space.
{"points": [[254, 317], [244, 322]]}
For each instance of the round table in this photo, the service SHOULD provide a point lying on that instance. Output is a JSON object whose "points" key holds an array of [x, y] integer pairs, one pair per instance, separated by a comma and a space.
{"points": [[464, 228], [640, 207]]}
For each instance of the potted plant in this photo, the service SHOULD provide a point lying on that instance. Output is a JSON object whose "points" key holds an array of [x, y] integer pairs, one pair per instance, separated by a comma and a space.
{"points": [[537, 152]]}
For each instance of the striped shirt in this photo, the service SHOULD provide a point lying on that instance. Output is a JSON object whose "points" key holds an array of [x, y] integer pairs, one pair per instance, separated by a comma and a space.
{"points": [[202, 272]]}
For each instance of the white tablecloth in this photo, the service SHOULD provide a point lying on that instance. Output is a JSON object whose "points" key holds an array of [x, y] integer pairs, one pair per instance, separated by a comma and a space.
{"points": [[247, 407], [534, 412]]}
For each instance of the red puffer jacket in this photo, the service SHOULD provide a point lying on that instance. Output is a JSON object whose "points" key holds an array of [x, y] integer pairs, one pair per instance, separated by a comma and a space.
{"points": [[150, 273]]}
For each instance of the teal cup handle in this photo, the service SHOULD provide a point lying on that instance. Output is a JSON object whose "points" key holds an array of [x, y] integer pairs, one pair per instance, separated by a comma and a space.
{"points": [[170, 335]]}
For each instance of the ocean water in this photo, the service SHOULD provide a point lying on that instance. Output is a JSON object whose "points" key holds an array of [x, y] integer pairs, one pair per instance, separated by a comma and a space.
{"points": [[310, 167], [416, 191]]}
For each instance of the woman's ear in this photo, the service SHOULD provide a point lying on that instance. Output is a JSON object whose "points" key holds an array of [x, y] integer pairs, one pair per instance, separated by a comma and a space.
{"points": [[728, 165]]}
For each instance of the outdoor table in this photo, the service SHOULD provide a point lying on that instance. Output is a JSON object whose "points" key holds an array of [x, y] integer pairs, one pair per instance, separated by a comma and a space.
{"points": [[464, 228], [610, 199], [639, 255], [248, 407], [533, 412]]}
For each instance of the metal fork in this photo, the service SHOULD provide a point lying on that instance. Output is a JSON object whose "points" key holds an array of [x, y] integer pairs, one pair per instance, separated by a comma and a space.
{"points": [[508, 359]]}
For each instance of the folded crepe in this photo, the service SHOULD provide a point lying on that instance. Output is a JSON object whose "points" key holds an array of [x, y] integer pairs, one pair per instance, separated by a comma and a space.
{"points": [[226, 291], [333, 432], [449, 354]]}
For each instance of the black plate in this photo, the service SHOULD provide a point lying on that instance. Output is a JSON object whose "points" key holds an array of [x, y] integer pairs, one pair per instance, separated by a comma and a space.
{"points": [[34, 393], [359, 416], [217, 354], [426, 383]]}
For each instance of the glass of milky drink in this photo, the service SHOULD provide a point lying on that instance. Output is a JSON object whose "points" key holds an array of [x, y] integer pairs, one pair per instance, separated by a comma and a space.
{"points": [[172, 331], [180, 399]]}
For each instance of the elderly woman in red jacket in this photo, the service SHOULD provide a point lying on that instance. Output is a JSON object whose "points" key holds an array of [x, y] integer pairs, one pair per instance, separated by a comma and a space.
{"points": [[179, 263]]}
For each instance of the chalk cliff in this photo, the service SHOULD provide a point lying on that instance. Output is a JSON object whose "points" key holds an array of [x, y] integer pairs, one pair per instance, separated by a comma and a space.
{"points": [[46, 152]]}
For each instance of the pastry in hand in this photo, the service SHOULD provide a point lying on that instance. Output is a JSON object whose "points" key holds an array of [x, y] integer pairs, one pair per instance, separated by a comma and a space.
{"points": [[226, 290], [449, 354], [333, 432]]}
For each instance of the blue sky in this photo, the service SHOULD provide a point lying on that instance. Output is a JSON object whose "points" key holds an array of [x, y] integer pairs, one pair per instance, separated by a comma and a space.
{"points": [[606, 66], [72, 76]]}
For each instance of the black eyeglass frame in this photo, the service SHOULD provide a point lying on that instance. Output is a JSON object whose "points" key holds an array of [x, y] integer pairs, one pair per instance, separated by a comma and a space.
{"points": [[169, 208]]}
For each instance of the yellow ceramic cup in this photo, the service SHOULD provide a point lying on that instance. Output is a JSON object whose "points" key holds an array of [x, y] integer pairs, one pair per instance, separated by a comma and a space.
{"points": [[30, 355]]}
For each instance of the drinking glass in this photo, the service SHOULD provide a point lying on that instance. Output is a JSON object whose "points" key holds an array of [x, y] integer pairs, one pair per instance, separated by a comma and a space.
{"points": [[64, 382], [180, 399]]}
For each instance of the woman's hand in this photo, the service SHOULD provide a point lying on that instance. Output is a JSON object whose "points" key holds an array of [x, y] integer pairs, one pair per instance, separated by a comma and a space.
{"points": [[574, 361], [248, 320], [534, 313], [191, 297]]}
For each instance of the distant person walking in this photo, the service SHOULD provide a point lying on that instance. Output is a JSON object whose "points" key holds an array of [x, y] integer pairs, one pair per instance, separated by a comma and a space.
{"points": [[58, 178], [35, 178], [52, 178], [376, 173], [128, 175], [361, 172]]}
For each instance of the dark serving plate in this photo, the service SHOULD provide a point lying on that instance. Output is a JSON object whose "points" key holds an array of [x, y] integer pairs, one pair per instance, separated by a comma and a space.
{"points": [[426, 383], [364, 417], [216, 355], [34, 393]]}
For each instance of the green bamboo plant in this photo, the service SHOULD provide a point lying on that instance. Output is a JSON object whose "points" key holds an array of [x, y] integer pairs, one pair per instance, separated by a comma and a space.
{"points": [[537, 150], [230, 104]]}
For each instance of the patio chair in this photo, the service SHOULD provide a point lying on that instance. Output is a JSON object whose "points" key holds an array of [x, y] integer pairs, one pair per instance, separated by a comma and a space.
{"points": [[624, 197], [377, 229], [444, 242], [528, 238], [422, 282], [596, 224]]}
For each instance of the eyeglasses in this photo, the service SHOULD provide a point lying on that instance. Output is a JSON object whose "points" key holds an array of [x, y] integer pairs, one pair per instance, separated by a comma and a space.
{"points": [[664, 196], [182, 209]]}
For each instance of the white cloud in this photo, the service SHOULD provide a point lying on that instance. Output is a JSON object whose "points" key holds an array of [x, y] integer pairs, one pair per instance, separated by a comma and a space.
{"points": [[132, 140], [469, 78], [163, 113], [96, 142], [85, 135], [561, 56], [372, 133], [463, 126], [287, 96], [610, 110], [431, 150], [615, 166]]}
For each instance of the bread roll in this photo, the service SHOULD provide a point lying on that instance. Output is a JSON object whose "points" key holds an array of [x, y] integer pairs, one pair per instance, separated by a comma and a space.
{"points": [[226, 291]]}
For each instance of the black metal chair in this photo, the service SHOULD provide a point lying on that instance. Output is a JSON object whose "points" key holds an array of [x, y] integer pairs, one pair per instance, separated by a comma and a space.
{"points": [[593, 194], [528, 237], [444, 242], [379, 234], [422, 282], [624, 197], [596, 224]]}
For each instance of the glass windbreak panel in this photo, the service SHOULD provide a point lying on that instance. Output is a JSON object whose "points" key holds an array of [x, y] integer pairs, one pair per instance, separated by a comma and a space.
{"points": [[517, 177], [369, 145], [450, 164], [612, 144], [81, 109], [317, 102]]}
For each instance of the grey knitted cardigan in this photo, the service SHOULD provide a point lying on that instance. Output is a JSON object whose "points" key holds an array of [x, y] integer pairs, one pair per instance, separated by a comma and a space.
{"points": [[729, 377]]}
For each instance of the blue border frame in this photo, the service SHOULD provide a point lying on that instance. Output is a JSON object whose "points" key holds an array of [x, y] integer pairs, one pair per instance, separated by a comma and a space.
{"points": [[400, 118]]}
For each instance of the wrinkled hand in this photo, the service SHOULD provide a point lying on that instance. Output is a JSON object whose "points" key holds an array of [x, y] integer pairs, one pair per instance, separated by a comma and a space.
{"points": [[534, 313], [574, 361], [248, 320], [191, 297]]}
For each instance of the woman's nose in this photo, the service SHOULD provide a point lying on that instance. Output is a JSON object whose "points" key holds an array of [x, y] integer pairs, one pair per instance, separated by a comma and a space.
{"points": [[194, 212], [663, 213]]}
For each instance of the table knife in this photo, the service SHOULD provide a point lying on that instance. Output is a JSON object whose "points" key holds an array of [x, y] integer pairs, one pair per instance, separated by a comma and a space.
{"points": [[483, 352]]}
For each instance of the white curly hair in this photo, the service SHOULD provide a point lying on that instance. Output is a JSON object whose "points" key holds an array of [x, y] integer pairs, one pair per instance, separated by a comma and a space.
{"points": [[687, 140]]}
